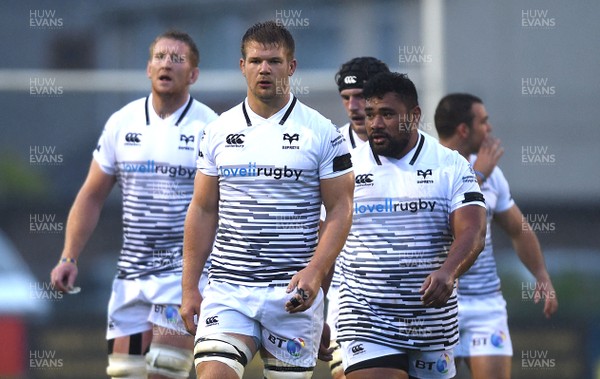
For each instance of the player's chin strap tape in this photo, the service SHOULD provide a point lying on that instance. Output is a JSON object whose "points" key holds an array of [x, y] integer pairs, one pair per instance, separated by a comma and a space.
{"points": [[335, 365], [125, 366], [222, 348], [276, 369], [169, 361]]}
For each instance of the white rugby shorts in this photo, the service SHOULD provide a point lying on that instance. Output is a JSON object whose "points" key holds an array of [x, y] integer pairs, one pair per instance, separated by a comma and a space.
{"points": [[136, 304], [259, 312], [421, 364], [483, 326]]}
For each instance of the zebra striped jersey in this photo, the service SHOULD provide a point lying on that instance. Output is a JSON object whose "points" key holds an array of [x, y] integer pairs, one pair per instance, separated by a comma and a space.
{"points": [[482, 278], [153, 160], [353, 142], [269, 174], [400, 234]]}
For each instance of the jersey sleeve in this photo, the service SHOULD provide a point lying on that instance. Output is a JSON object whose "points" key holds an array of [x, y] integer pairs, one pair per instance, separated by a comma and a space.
{"points": [[505, 200], [105, 152], [336, 156], [206, 160], [465, 190]]}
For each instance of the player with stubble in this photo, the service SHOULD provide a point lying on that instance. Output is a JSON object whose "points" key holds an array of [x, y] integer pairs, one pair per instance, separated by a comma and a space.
{"points": [[149, 147], [265, 167]]}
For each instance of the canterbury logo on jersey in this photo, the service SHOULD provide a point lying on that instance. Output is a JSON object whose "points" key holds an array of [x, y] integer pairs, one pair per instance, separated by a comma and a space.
{"points": [[235, 139], [390, 206], [151, 167], [252, 170], [132, 138], [364, 179], [358, 349]]}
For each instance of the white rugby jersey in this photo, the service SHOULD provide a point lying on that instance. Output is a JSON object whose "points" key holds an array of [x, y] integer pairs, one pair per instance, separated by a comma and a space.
{"points": [[351, 137], [153, 160], [482, 278], [269, 172], [353, 141], [400, 234]]}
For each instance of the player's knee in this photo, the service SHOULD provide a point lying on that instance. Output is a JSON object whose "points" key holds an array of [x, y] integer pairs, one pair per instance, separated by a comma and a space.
{"points": [[335, 365], [276, 369], [126, 366], [169, 361], [222, 348]]}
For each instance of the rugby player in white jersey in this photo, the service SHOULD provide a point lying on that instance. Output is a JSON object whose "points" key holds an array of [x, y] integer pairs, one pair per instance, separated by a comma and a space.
{"points": [[463, 125], [149, 147], [418, 224], [350, 80], [265, 167]]}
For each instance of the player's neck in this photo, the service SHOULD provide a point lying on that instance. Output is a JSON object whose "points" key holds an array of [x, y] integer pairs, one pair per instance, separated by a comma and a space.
{"points": [[454, 144], [266, 108], [360, 132], [166, 104]]}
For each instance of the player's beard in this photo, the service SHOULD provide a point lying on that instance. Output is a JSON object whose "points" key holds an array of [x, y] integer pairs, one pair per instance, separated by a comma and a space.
{"points": [[392, 147]]}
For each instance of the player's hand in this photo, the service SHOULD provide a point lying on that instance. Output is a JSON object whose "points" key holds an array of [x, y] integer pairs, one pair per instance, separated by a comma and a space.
{"points": [[437, 288], [544, 290], [488, 155], [63, 276], [303, 289], [325, 352], [190, 307]]}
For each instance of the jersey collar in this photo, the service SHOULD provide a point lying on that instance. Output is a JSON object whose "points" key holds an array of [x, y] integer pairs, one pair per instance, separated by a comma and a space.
{"points": [[185, 110], [293, 101]]}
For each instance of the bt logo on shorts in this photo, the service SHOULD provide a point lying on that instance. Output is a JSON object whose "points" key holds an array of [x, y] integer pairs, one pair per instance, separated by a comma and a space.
{"points": [[358, 349], [441, 365], [498, 339], [235, 140], [211, 321], [294, 346]]}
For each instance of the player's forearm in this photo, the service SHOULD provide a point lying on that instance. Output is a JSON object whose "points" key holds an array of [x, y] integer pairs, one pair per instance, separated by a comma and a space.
{"points": [[83, 219], [463, 253], [469, 227], [199, 231], [529, 252], [332, 238]]}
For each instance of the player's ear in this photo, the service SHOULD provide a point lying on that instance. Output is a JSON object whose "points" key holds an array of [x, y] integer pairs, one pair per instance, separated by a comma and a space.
{"points": [[463, 130], [148, 69], [194, 75], [243, 66], [292, 67]]}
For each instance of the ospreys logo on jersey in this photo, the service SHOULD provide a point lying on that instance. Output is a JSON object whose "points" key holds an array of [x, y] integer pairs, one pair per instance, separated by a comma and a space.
{"points": [[424, 174], [133, 139], [235, 140], [291, 138], [187, 140]]}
